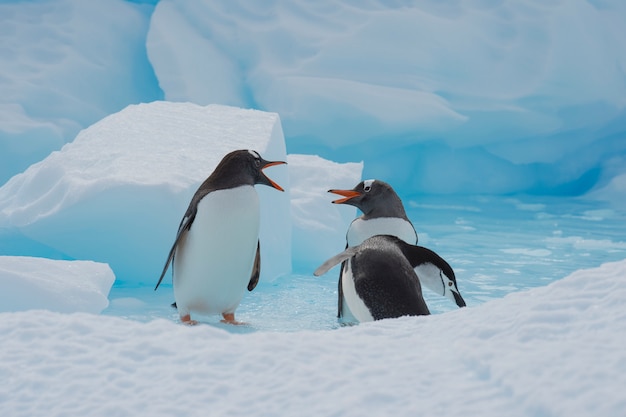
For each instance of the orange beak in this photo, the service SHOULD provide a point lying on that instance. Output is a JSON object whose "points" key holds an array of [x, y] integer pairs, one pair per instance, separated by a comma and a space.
{"points": [[272, 183], [347, 194]]}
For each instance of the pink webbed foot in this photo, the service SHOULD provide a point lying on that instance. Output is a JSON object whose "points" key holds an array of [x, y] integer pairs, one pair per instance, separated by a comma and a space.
{"points": [[229, 318], [187, 320]]}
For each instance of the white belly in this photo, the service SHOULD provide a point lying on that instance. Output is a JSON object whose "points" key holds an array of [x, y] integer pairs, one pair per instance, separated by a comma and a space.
{"points": [[361, 230], [352, 301], [214, 260]]}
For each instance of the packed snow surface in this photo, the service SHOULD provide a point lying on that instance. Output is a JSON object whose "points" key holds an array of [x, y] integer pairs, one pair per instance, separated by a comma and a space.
{"points": [[555, 350]]}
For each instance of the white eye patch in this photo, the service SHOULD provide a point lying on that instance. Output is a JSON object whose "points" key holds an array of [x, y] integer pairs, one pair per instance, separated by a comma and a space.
{"points": [[367, 185], [254, 153]]}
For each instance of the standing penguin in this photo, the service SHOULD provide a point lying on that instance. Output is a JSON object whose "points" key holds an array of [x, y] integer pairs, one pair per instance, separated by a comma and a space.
{"points": [[379, 280], [216, 253], [384, 214]]}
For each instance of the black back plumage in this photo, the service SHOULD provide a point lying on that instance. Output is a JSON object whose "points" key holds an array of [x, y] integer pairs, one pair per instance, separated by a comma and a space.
{"points": [[385, 280], [384, 277]]}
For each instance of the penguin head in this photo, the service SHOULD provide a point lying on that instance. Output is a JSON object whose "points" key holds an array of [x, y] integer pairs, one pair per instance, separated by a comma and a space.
{"points": [[257, 165], [372, 197], [450, 288], [245, 167]]}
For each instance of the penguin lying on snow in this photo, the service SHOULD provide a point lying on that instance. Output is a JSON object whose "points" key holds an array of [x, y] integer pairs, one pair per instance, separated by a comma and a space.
{"points": [[379, 280], [384, 214], [216, 253]]}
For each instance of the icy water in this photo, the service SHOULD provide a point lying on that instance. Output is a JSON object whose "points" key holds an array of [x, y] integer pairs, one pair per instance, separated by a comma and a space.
{"points": [[496, 246]]}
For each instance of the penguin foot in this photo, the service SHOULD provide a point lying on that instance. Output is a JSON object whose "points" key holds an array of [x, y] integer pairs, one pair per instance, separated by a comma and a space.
{"points": [[229, 318], [187, 320]]}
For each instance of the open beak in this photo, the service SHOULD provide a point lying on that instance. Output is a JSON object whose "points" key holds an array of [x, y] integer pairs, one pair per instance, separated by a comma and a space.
{"points": [[272, 183], [347, 194]]}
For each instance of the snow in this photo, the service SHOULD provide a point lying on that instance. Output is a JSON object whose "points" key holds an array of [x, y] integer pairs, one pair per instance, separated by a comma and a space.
{"points": [[63, 286], [553, 350]]}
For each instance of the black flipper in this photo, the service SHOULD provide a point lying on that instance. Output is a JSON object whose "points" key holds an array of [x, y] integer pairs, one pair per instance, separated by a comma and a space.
{"points": [[183, 228], [417, 255], [256, 269], [340, 292]]}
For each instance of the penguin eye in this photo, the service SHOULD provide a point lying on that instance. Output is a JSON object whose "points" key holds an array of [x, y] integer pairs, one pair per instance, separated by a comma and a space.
{"points": [[257, 163], [367, 188], [449, 283]]}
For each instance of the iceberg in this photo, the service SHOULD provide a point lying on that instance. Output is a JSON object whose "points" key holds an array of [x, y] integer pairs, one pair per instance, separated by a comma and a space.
{"points": [[441, 98], [319, 227], [461, 97], [62, 286], [65, 65]]}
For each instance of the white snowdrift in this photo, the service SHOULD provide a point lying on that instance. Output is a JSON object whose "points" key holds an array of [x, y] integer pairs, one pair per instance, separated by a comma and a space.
{"points": [[555, 350], [63, 286]]}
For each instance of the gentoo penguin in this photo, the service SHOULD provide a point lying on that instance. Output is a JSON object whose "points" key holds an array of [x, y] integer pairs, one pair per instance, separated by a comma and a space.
{"points": [[378, 278], [216, 253], [383, 213]]}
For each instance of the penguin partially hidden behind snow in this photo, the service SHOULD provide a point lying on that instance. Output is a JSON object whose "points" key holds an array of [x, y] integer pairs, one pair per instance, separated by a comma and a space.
{"points": [[384, 214], [216, 253], [379, 280]]}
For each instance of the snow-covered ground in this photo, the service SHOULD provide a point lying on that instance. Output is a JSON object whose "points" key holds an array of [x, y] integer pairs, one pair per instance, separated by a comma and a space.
{"points": [[550, 351]]}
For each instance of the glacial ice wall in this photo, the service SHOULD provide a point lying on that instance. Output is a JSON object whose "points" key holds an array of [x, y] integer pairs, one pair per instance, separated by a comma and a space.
{"points": [[435, 97]]}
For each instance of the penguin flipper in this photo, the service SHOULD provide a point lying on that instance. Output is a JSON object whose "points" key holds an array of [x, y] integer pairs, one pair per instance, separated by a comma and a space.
{"points": [[418, 255], [256, 269], [340, 293], [340, 290], [346, 254], [184, 226]]}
